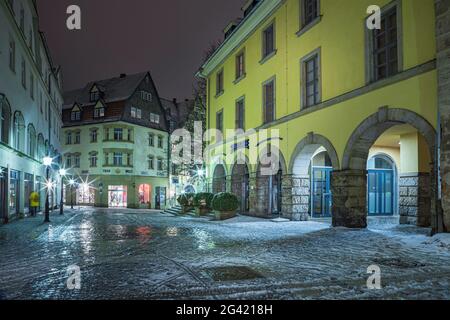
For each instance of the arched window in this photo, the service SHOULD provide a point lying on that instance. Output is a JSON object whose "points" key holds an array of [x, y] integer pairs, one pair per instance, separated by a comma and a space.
{"points": [[5, 120], [40, 147], [31, 141], [47, 148], [19, 131]]}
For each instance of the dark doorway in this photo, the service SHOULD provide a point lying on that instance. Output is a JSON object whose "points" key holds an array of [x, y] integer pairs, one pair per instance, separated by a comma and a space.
{"points": [[321, 192]]}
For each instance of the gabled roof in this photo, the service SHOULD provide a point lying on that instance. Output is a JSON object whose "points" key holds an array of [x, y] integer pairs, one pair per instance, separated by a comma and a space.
{"points": [[177, 111], [114, 89]]}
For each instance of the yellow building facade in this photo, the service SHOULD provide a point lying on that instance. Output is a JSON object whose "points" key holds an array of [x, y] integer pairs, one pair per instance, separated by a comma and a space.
{"points": [[365, 100]]}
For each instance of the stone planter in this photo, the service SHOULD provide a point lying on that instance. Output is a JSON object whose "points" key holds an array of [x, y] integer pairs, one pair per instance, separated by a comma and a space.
{"points": [[224, 215], [201, 211], [185, 209]]}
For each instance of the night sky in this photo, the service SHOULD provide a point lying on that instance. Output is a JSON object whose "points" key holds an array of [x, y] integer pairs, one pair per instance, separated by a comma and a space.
{"points": [[166, 37]]}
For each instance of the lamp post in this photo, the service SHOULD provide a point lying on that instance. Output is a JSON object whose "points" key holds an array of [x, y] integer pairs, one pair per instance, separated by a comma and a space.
{"points": [[72, 183], [62, 173], [47, 163]]}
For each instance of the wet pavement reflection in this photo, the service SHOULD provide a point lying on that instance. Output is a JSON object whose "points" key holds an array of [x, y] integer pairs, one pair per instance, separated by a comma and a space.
{"points": [[123, 254]]}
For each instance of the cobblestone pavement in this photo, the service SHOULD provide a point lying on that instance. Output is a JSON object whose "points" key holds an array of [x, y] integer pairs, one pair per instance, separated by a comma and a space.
{"points": [[126, 254]]}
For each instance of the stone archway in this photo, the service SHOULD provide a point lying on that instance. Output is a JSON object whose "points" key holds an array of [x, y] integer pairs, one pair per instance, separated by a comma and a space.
{"points": [[349, 185], [266, 196], [219, 183], [240, 183], [297, 184]]}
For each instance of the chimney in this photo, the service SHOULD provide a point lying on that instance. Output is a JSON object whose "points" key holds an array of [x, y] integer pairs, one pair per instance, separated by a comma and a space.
{"points": [[174, 100], [123, 75]]}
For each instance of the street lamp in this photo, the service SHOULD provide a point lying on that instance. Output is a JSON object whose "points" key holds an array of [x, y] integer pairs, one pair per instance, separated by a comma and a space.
{"points": [[71, 183], [47, 163], [62, 173]]}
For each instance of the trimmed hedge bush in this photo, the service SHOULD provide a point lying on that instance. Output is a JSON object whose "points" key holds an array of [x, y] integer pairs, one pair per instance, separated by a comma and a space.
{"points": [[186, 200], [203, 199], [225, 201]]}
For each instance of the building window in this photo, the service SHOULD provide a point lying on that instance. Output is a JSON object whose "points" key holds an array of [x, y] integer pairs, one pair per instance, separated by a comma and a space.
{"points": [[31, 86], [24, 73], [68, 161], [93, 160], [240, 114], [385, 54], [268, 41], [159, 164], [118, 134], [129, 160], [219, 122], [154, 118], [146, 96], [118, 159], [77, 161], [219, 82], [94, 135], [31, 141], [40, 103], [19, 131], [77, 137], [136, 113], [30, 40], [12, 55], [75, 114], [311, 80], [310, 11], [269, 101], [5, 120], [94, 96], [240, 65], [99, 111], [151, 164], [160, 142], [69, 138], [22, 19], [151, 140]]}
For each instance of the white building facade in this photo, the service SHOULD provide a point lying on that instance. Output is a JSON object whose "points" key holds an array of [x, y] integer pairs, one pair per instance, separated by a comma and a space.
{"points": [[30, 107]]}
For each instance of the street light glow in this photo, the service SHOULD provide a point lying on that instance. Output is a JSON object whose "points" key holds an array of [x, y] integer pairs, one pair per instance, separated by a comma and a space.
{"points": [[62, 172], [71, 182], [47, 161]]}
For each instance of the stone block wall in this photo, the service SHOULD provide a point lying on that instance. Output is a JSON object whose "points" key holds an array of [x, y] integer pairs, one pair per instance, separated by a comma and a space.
{"points": [[296, 192], [349, 188], [415, 200], [443, 70]]}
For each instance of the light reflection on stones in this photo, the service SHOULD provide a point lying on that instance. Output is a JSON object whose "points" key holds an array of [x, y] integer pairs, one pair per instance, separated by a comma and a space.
{"points": [[203, 240], [172, 232]]}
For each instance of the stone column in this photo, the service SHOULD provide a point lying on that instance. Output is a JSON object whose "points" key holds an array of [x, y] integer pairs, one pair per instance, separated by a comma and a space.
{"points": [[252, 198], [443, 70], [295, 197], [349, 188], [415, 200]]}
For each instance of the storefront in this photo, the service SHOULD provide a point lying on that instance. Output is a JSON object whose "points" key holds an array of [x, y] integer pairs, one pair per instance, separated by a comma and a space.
{"points": [[40, 188], [85, 195], [28, 185], [14, 192], [3, 193], [117, 196], [145, 191]]}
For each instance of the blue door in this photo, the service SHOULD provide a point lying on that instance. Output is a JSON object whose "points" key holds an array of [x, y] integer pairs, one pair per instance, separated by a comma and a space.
{"points": [[321, 192], [380, 192]]}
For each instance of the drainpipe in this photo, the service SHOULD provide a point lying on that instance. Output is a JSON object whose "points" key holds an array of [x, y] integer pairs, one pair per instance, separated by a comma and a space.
{"points": [[439, 218]]}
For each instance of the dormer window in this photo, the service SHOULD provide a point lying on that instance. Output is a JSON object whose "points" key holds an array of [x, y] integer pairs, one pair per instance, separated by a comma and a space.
{"points": [[154, 118], [99, 111], [94, 95], [75, 114]]}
